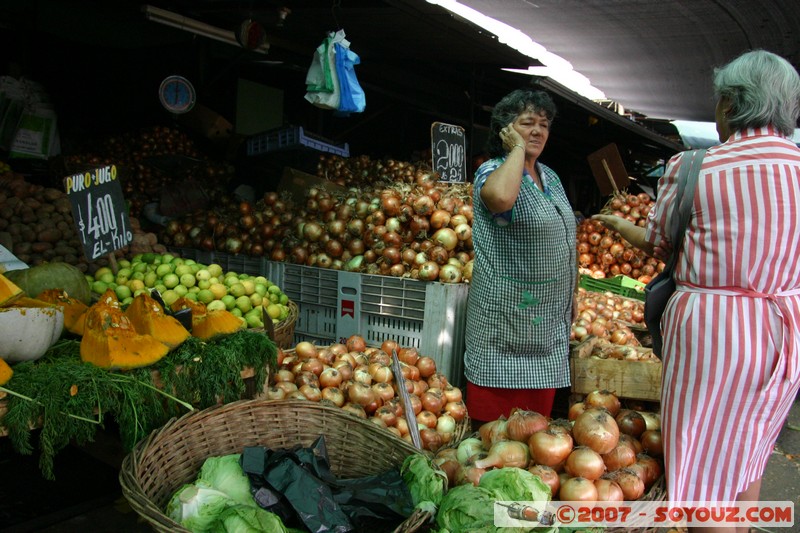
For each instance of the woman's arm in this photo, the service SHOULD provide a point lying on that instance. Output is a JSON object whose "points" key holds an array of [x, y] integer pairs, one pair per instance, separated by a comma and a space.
{"points": [[630, 232], [500, 191]]}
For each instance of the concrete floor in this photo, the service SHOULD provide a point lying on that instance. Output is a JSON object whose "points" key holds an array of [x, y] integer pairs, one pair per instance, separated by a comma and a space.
{"points": [[110, 513]]}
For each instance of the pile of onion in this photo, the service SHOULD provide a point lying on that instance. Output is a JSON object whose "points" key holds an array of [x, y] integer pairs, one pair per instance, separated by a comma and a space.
{"points": [[604, 253], [602, 453], [359, 379], [394, 219]]}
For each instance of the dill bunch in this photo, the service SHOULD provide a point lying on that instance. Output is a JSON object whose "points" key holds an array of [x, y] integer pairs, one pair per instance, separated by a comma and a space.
{"points": [[69, 399]]}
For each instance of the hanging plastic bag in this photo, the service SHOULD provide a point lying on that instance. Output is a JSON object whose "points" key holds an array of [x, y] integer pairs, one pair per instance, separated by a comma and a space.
{"points": [[319, 95], [352, 99]]}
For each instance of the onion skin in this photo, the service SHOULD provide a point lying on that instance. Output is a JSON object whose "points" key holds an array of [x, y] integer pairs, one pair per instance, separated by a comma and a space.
{"points": [[578, 489], [522, 424], [504, 454], [597, 429]]}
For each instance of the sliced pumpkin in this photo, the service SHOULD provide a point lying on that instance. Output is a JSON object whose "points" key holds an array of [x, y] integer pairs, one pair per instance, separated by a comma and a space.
{"points": [[147, 316], [74, 309], [5, 372], [208, 323], [8, 291], [110, 340]]}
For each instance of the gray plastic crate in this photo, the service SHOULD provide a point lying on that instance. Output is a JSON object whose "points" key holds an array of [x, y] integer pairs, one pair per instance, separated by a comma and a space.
{"points": [[292, 137], [429, 316]]}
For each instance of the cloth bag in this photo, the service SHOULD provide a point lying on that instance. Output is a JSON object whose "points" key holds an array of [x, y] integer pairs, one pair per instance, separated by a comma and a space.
{"points": [[659, 290]]}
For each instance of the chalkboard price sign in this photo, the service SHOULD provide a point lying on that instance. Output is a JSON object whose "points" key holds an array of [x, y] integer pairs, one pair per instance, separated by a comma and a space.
{"points": [[99, 210], [449, 149]]}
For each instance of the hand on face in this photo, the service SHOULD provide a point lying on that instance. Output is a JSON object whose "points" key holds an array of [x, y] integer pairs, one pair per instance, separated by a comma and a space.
{"points": [[510, 137]]}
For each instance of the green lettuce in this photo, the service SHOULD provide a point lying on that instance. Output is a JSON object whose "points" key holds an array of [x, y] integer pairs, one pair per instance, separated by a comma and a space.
{"points": [[247, 519], [466, 508], [197, 506], [225, 474], [426, 482], [515, 484]]}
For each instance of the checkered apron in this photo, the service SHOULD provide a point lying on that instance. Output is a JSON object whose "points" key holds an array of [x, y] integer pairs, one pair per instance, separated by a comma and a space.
{"points": [[520, 297]]}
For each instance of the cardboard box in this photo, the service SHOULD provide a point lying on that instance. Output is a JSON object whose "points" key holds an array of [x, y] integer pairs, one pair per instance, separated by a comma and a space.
{"points": [[298, 183]]}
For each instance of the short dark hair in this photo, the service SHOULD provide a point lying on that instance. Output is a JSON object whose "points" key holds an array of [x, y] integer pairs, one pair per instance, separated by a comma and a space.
{"points": [[509, 108]]}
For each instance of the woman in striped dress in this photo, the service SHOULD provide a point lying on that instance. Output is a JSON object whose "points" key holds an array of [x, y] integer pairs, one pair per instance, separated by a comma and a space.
{"points": [[732, 329]]}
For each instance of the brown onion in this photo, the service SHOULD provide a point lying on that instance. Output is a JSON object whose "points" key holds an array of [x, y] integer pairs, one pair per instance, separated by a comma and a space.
{"points": [[522, 424], [585, 462], [577, 489], [548, 475], [608, 490], [596, 429], [549, 447]]}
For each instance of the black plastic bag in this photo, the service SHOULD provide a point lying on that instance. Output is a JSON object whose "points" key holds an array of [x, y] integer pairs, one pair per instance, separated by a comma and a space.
{"points": [[299, 487]]}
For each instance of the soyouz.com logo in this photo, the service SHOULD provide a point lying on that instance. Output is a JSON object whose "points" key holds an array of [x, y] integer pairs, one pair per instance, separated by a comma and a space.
{"points": [[643, 514]]}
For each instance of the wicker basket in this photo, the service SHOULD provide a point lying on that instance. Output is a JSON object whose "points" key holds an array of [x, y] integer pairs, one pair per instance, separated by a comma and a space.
{"points": [[172, 456], [283, 330]]}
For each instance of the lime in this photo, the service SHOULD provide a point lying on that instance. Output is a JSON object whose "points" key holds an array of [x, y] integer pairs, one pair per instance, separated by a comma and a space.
{"points": [[123, 263], [253, 321], [203, 284], [261, 289], [274, 289], [181, 290], [188, 280], [215, 304], [215, 270], [249, 286], [260, 280], [206, 296], [126, 301], [138, 275], [180, 270], [124, 272], [189, 262], [203, 274], [243, 303], [136, 258], [169, 297], [229, 301], [219, 290], [149, 257], [256, 299], [102, 270], [121, 280], [177, 261], [139, 267], [164, 269], [284, 299], [105, 277], [171, 281], [236, 312], [237, 289], [99, 287], [244, 276], [191, 296], [137, 292], [196, 268], [150, 279], [136, 284], [160, 287], [274, 310], [166, 258]]}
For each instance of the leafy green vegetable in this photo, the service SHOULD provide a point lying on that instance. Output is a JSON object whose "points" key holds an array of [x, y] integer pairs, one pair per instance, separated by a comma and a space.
{"points": [[515, 484], [70, 399], [198, 506], [466, 508], [225, 474], [248, 519], [426, 483]]}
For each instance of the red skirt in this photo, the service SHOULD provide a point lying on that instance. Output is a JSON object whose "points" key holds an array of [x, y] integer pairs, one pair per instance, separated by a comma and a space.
{"points": [[485, 404]]}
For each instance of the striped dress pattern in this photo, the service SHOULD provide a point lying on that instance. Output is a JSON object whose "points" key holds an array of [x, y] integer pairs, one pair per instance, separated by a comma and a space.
{"points": [[732, 329]]}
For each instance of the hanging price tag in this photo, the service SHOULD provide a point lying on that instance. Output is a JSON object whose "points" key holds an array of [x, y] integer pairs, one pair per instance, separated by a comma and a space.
{"points": [[99, 210]]}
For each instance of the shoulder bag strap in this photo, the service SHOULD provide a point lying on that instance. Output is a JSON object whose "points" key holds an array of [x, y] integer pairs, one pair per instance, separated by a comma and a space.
{"points": [[682, 210]]}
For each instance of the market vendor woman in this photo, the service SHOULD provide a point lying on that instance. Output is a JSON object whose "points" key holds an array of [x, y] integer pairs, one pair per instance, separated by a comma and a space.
{"points": [[521, 297]]}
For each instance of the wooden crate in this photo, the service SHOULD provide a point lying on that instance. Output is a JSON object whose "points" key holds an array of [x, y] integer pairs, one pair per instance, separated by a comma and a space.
{"points": [[636, 380]]}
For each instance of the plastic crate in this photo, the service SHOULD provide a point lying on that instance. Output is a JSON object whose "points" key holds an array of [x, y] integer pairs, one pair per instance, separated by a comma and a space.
{"points": [[621, 285], [291, 138], [429, 316]]}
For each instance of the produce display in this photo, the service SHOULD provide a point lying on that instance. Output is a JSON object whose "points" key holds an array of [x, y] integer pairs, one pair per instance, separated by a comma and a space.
{"points": [[412, 226], [602, 453], [604, 253], [247, 297], [359, 379], [607, 316], [28, 327]]}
